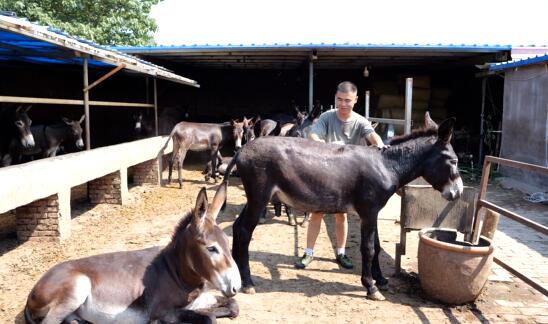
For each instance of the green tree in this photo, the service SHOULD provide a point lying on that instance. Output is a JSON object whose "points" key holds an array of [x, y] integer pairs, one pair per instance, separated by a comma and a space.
{"points": [[106, 22]]}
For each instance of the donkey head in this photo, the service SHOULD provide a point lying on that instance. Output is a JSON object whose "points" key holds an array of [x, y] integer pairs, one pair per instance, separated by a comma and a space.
{"points": [[75, 130], [237, 133], [210, 251], [301, 117], [138, 119], [441, 166], [22, 124], [249, 129]]}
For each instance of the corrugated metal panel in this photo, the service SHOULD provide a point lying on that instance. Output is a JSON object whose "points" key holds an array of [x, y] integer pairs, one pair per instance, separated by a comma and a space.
{"points": [[513, 64], [393, 46], [23, 41]]}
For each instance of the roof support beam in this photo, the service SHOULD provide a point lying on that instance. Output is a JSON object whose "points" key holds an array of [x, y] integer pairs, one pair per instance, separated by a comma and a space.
{"points": [[106, 76], [73, 102]]}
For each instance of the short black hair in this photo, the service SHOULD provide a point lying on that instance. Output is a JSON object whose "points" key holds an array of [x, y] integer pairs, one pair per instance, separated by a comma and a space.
{"points": [[347, 87]]}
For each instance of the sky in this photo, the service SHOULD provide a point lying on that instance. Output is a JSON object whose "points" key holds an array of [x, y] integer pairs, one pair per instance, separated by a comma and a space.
{"points": [[500, 22]]}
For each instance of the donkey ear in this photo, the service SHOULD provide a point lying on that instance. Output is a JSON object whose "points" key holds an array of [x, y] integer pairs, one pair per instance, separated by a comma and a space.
{"points": [[218, 201], [428, 122], [66, 120], [82, 119], [445, 131], [27, 108], [19, 108], [200, 209]]}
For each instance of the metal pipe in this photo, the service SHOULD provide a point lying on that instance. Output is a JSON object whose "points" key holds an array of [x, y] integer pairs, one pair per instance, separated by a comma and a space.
{"points": [[155, 108], [86, 104], [367, 104], [310, 84], [408, 104], [482, 134]]}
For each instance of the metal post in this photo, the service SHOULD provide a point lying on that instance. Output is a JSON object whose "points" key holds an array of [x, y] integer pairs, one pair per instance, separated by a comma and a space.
{"points": [[310, 84], [86, 104], [367, 104], [155, 108], [482, 135], [408, 104]]}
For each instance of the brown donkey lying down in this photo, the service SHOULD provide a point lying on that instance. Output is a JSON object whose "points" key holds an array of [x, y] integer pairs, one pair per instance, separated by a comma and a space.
{"points": [[155, 284]]}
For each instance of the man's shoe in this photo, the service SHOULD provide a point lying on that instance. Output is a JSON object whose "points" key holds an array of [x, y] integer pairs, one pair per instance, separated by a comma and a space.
{"points": [[344, 261], [304, 261]]}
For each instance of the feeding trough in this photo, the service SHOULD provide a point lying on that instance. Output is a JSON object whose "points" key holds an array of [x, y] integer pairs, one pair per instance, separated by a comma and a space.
{"points": [[452, 271]]}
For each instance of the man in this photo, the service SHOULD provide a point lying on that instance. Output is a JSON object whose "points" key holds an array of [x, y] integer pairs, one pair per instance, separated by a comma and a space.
{"points": [[341, 126]]}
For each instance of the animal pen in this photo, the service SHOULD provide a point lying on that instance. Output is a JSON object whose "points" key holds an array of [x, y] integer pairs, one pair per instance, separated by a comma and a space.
{"points": [[43, 208]]}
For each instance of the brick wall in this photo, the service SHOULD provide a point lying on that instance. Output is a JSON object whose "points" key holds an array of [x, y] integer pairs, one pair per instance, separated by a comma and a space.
{"points": [[44, 219], [109, 189], [146, 172]]}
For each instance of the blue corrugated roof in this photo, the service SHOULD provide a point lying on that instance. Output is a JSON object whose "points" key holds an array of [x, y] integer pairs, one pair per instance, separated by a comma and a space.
{"points": [[395, 46], [513, 64], [23, 41]]}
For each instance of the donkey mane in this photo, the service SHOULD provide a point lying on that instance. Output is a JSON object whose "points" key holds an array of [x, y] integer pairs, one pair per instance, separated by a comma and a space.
{"points": [[422, 132], [180, 228]]}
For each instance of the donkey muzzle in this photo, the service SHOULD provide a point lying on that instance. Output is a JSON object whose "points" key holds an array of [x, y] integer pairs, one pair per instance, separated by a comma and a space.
{"points": [[28, 141], [80, 143], [453, 190]]}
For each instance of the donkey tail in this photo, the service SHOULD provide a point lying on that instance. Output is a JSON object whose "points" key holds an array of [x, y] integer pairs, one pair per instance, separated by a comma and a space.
{"points": [[28, 317], [227, 173], [231, 166], [168, 139]]}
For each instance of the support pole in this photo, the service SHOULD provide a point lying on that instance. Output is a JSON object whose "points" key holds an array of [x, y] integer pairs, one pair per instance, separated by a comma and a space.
{"points": [[367, 104], [310, 84], [408, 104], [86, 104], [482, 134], [155, 108]]}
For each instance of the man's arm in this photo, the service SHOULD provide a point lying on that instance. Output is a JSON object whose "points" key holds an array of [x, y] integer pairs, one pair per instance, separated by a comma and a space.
{"points": [[315, 137], [375, 139]]}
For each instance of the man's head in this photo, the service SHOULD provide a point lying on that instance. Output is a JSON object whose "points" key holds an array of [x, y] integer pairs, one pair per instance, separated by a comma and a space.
{"points": [[345, 98]]}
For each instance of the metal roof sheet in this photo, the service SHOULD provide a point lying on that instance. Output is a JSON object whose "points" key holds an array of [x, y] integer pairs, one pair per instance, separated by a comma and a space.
{"points": [[395, 46], [23, 41], [523, 62]]}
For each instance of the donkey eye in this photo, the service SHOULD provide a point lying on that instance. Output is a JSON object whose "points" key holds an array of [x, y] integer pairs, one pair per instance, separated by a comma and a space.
{"points": [[454, 161], [212, 249]]}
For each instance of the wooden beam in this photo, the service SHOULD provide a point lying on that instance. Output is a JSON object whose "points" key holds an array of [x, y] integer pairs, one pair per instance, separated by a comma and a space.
{"points": [[106, 76], [55, 101]]}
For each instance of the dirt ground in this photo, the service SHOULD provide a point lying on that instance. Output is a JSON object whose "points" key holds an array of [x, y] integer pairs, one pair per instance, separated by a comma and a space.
{"points": [[322, 293]]}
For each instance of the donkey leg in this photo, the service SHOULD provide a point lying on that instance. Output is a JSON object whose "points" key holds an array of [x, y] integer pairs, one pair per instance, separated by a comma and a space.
{"points": [[367, 247], [306, 219], [191, 316], [172, 159], [290, 216], [74, 292], [182, 155], [242, 231], [214, 158], [380, 281], [225, 307]]}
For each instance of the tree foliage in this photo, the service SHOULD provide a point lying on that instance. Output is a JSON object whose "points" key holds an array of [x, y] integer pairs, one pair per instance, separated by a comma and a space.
{"points": [[106, 22]]}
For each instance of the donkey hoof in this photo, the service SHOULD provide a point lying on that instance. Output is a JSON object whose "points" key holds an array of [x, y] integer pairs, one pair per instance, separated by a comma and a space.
{"points": [[375, 296], [248, 290], [384, 287], [292, 221]]}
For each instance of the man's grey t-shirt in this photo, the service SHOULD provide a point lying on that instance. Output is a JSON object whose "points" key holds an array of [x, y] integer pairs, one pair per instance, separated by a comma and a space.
{"points": [[332, 130]]}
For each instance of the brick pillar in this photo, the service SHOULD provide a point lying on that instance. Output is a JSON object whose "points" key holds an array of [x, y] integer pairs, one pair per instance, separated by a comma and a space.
{"points": [[45, 219], [146, 172], [109, 189]]}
